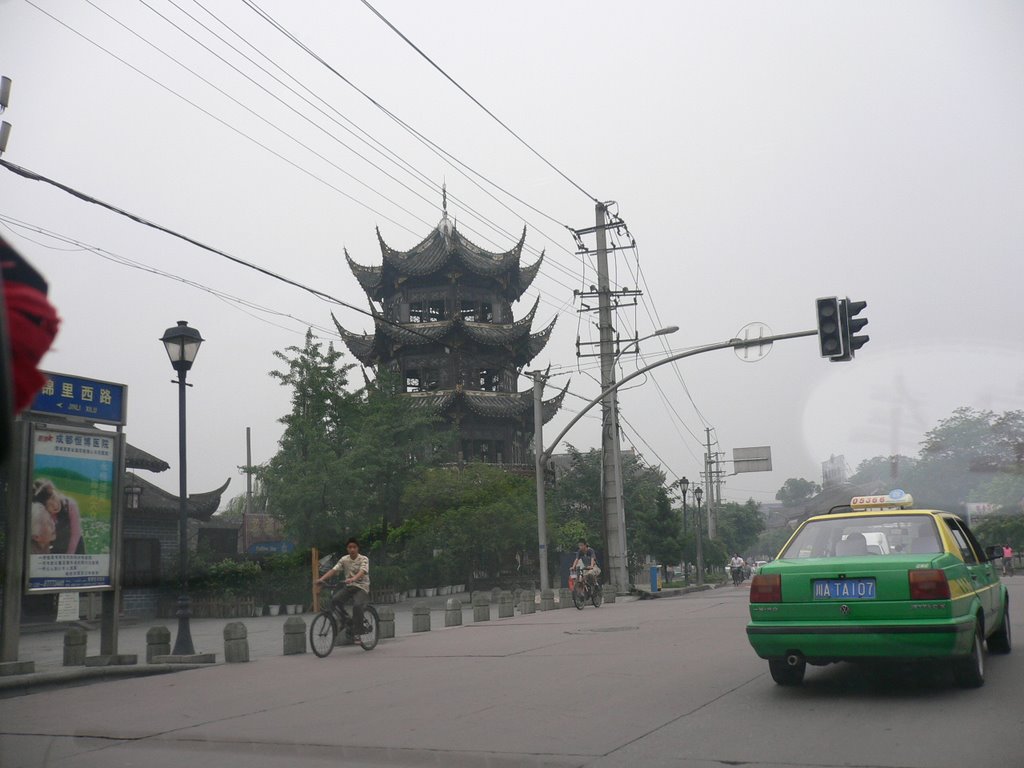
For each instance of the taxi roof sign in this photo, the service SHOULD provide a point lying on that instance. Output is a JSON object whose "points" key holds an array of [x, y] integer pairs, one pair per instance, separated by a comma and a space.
{"points": [[895, 499]]}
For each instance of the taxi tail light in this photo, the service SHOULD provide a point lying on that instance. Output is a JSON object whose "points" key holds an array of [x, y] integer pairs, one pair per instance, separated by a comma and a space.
{"points": [[766, 588], [929, 584]]}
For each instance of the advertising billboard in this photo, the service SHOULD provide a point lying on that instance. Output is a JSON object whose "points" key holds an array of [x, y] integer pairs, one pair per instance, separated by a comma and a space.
{"points": [[71, 509]]}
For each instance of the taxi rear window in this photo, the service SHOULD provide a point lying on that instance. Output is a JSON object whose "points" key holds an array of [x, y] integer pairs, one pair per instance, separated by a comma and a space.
{"points": [[880, 535]]}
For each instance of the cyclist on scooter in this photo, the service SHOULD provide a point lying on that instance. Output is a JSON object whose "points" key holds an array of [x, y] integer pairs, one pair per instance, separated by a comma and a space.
{"points": [[586, 559]]}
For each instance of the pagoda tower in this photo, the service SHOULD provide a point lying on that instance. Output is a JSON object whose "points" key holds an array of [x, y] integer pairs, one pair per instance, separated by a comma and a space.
{"points": [[443, 324]]}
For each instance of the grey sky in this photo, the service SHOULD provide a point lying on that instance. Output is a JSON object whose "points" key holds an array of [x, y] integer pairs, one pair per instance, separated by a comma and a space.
{"points": [[763, 154]]}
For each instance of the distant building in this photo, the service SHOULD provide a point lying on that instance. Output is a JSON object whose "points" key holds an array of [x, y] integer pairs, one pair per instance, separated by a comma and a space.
{"points": [[443, 323]]}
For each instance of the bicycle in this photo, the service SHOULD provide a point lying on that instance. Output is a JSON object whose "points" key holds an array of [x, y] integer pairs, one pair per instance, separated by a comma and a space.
{"points": [[583, 590], [334, 619]]}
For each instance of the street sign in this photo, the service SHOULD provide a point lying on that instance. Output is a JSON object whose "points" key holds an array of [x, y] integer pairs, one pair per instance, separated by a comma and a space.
{"points": [[98, 402], [755, 352], [757, 459]]}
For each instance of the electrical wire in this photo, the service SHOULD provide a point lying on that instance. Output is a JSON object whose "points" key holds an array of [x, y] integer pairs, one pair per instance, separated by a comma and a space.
{"points": [[472, 98]]}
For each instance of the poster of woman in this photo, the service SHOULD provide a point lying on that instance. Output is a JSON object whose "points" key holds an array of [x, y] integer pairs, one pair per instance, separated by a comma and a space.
{"points": [[72, 482]]}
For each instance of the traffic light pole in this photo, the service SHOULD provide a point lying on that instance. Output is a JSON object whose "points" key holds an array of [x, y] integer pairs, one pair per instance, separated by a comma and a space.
{"points": [[543, 454]]}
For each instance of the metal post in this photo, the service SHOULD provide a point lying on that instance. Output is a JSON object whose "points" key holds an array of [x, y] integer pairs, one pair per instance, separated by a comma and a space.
{"points": [[538, 460], [183, 643], [700, 547], [15, 475], [248, 490], [611, 492]]}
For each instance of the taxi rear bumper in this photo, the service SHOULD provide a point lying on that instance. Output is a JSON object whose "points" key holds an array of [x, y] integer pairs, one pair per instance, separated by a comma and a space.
{"points": [[849, 641]]}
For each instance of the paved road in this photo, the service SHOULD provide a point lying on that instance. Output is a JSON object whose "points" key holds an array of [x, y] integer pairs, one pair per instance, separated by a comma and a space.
{"points": [[655, 683]]}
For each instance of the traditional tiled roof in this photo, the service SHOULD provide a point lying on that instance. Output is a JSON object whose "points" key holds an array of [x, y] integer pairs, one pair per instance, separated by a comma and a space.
{"points": [[370, 348], [155, 499], [443, 248], [136, 458], [497, 405]]}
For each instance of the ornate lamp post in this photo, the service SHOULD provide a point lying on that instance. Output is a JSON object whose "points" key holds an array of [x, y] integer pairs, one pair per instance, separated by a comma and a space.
{"points": [[182, 344], [698, 494]]}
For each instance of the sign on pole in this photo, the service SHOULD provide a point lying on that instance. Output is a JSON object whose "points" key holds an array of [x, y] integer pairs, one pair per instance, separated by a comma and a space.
{"points": [[91, 400], [757, 459]]}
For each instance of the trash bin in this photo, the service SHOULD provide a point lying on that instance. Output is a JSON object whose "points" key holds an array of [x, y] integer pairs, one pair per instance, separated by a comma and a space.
{"points": [[655, 578]]}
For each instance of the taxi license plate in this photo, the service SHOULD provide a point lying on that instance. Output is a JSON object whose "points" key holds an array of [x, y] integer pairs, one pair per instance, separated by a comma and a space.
{"points": [[844, 589]]}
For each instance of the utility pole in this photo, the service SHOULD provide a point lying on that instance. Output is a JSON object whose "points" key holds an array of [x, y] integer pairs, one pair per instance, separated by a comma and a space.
{"points": [[613, 511], [248, 490], [538, 457], [709, 485]]}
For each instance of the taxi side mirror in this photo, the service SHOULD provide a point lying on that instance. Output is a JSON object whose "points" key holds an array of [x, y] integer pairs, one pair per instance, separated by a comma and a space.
{"points": [[994, 553]]}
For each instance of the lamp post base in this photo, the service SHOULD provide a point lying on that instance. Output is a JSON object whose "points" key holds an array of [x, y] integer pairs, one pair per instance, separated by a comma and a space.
{"points": [[183, 643]]}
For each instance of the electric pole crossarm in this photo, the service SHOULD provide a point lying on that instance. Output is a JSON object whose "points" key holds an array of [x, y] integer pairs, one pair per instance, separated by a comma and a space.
{"points": [[731, 344]]}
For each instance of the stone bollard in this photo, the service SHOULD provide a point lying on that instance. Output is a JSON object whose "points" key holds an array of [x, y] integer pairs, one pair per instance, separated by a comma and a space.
{"points": [[528, 602], [547, 600], [236, 643], [74, 647], [421, 619], [608, 593], [481, 608], [158, 643], [506, 608], [565, 598], [453, 612], [294, 635], [385, 622], [496, 594]]}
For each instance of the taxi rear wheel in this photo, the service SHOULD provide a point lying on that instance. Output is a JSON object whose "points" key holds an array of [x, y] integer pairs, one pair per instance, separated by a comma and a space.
{"points": [[999, 642], [969, 671], [785, 673]]}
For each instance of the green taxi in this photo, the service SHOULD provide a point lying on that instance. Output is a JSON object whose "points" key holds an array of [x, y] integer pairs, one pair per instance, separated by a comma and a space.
{"points": [[880, 580]]}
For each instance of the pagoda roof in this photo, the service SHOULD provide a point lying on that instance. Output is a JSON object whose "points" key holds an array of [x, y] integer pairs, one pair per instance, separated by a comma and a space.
{"points": [[155, 500], [498, 405], [136, 458], [445, 248], [369, 348]]}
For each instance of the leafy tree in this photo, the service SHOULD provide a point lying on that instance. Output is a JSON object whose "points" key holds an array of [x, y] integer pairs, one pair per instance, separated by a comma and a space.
{"points": [[1002, 529], [771, 541], [306, 481], [660, 534], [881, 470], [739, 525], [465, 521], [796, 490]]}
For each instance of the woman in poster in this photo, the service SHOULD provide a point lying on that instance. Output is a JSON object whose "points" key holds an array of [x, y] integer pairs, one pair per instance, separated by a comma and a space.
{"points": [[43, 530], [66, 518]]}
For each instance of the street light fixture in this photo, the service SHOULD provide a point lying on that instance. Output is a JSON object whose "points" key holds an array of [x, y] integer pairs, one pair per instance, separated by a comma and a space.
{"points": [[182, 345]]}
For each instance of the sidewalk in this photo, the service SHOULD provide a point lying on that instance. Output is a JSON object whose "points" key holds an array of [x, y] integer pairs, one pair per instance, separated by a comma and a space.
{"points": [[44, 645]]}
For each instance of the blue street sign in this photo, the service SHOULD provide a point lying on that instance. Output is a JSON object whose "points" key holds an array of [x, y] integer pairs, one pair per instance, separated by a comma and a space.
{"points": [[100, 402], [271, 548]]}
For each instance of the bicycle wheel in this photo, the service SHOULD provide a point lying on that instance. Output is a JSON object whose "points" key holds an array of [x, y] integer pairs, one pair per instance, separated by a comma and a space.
{"points": [[322, 633], [596, 596], [370, 634], [579, 597]]}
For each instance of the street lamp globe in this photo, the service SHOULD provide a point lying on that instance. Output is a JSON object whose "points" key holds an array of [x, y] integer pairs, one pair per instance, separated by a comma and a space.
{"points": [[684, 485], [698, 493], [182, 345]]}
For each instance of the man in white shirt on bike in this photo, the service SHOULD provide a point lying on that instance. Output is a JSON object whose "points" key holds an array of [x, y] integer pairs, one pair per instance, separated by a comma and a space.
{"points": [[356, 570]]}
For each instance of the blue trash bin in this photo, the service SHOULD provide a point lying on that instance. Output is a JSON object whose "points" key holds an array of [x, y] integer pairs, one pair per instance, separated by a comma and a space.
{"points": [[655, 578]]}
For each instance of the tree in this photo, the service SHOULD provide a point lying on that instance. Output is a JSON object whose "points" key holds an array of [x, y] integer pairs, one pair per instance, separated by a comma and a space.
{"points": [[460, 522], [1002, 529], [739, 525], [796, 491], [306, 481], [882, 470], [660, 534]]}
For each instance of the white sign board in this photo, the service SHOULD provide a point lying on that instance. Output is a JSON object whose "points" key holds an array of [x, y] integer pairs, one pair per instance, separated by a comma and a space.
{"points": [[757, 459]]}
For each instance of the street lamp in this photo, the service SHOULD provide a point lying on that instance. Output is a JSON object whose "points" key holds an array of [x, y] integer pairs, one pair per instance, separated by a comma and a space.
{"points": [[698, 494], [619, 573], [182, 344]]}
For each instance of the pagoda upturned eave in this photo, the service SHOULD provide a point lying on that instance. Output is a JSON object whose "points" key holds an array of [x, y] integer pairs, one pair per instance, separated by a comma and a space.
{"points": [[445, 250]]}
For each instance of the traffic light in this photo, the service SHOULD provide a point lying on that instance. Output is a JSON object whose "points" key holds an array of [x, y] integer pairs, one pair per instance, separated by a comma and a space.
{"points": [[830, 332], [851, 324]]}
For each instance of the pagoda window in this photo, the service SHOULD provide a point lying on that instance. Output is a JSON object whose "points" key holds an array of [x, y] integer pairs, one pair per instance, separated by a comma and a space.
{"points": [[468, 312], [488, 379], [435, 311], [416, 312], [421, 379]]}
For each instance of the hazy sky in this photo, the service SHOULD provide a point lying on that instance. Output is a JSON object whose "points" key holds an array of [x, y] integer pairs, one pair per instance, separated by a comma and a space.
{"points": [[762, 154]]}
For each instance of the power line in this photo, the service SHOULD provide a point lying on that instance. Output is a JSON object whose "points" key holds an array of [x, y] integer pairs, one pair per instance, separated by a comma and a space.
{"points": [[32, 176], [475, 101]]}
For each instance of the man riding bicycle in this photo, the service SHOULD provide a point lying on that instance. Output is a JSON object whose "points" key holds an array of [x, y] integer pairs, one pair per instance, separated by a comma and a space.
{"points": [[586, 559], [356, 570], [736, 566]]}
